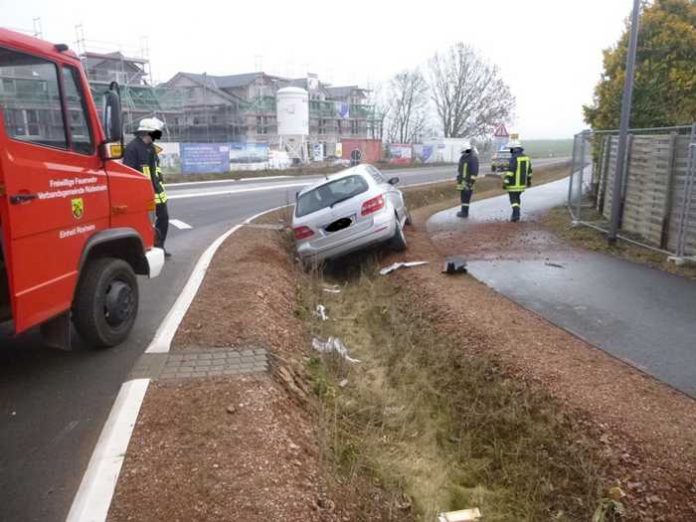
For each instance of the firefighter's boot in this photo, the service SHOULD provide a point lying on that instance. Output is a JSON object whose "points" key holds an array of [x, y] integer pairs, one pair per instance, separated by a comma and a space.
{"points": [[464, 212], [515, 214]]}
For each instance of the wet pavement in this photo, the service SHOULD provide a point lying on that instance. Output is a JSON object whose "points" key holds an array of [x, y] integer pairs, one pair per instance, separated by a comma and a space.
{"points": [[641, 315]]}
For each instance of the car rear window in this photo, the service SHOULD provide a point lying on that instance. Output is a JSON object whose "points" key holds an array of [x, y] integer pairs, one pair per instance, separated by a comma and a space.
{"points": [[330, 194]]}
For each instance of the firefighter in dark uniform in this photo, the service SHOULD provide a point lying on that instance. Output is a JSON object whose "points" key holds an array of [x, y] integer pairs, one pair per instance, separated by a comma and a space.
{"points": [[517, 178], [141, 154], [467, 172]]}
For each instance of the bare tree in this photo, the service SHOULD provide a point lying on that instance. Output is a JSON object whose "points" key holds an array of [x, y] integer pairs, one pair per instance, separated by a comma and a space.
{"points": [[469, 95], [380, 111], [407, 106]]}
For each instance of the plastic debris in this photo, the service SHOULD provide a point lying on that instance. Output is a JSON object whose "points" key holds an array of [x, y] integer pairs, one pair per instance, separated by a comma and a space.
{"points": [[343, 383], [454, 265], [333, 344], [554, 265], [400, 264], [463, 515], [333, 289], [320, 312]]}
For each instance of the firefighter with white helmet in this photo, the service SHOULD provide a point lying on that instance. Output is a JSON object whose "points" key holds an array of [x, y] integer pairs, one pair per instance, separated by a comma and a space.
{"points": [[518, 177], [142, 154], [467, 172]]}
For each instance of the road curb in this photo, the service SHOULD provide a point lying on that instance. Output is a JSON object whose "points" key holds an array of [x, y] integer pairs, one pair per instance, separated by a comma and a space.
{"points": [[93, 498]]}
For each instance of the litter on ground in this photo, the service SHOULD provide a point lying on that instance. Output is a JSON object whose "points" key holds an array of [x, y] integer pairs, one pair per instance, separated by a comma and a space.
{"points": [[454, 265], [320, 312], [401, 264], [333, 289], [333, 344], [463, 515]]}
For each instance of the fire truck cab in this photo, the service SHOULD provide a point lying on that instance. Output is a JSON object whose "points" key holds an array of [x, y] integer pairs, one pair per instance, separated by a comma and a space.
{"points": [[75, 223]]}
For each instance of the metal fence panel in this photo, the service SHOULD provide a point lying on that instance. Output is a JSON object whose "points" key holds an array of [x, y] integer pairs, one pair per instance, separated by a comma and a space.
{"points": [[658, 198]]}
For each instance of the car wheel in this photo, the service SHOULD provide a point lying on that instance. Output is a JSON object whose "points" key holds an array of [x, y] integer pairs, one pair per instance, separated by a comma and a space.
{"points": [[106, 302], [398, 241]]}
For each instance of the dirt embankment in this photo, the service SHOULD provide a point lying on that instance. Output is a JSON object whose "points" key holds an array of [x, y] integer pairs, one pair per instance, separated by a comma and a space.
{"points": [[646, 429]]}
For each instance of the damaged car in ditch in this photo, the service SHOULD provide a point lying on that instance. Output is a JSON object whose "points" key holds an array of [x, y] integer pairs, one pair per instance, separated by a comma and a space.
{"points": [[349, 211]]}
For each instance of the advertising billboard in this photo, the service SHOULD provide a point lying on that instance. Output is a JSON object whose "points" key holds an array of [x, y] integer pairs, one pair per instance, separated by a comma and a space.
{"points": [[202, 158]]}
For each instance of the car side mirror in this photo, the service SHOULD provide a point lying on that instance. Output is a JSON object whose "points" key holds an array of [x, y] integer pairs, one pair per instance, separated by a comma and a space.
{"points": [[393, 181]]}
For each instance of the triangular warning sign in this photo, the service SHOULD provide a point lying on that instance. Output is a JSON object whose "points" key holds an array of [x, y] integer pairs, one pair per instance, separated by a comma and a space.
{"points": [[501, 132]]}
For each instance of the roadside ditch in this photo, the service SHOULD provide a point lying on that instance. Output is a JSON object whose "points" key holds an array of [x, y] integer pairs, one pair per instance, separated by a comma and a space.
{"points": [[460, 399]]}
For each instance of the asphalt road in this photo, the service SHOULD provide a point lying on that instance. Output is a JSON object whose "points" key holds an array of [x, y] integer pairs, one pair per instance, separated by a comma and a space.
{"points": [[636, 313], [53, 404]]}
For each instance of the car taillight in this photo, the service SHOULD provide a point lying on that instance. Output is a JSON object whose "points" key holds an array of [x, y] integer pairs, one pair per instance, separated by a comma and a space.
{"points": [[302, 233], [372, 205]]}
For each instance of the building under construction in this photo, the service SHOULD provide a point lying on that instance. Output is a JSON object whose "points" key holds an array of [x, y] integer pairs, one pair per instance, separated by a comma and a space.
{"points": [[232, 108]]}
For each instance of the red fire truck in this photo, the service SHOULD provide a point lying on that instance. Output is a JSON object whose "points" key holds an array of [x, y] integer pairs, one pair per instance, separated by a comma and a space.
{"points": [[75, 224]]}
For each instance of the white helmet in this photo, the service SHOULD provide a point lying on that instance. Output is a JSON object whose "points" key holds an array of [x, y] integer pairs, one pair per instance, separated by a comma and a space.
{"points": [[465, 146], [150, 125]]}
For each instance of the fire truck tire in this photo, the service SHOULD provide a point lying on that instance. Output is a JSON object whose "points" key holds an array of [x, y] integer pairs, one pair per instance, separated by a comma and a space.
{"points": [[106, 302]]}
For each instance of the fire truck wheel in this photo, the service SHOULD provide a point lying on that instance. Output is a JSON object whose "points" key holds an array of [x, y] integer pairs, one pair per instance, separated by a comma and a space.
{"points": [[106, 302]]}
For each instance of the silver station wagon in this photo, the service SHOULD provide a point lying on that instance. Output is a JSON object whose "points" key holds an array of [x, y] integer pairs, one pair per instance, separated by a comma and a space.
{"points": [[349, 211]]}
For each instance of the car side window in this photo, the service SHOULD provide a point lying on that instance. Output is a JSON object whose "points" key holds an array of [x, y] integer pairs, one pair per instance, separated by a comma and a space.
{"points": [[80, 131], [30, 99]]}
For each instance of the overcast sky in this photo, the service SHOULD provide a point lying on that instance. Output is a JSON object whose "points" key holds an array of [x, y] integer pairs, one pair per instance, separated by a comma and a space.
{"points": [[549, 51]]}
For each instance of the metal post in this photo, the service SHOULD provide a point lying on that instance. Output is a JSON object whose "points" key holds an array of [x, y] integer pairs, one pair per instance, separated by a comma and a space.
{"points": [[617, 197], [572, 174], [581, 175], [688, 188]]}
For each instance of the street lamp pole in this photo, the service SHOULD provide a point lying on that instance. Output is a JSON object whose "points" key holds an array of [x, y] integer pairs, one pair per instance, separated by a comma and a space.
{"points": [[617, 194]]}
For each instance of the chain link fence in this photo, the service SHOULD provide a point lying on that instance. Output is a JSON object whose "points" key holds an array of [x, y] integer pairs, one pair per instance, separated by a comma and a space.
{"points": [[658, 196]]}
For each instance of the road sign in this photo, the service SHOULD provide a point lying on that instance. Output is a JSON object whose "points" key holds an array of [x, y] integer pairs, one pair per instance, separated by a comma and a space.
{"points": [[501, 132]]}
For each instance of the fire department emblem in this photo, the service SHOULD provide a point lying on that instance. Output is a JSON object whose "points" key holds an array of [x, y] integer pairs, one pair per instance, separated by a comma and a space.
{"points": [[78, 208]]}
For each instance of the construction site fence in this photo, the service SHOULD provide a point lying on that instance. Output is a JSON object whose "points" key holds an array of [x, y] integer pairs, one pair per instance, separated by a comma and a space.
{"points": [[657, 201]]}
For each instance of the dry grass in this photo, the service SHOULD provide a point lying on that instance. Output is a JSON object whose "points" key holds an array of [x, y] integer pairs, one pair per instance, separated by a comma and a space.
{"points": [[428, 414], [559, 222]]}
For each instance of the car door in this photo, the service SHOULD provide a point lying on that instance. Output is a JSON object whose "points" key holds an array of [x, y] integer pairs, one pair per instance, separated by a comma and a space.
{"points": [[55, 189]]}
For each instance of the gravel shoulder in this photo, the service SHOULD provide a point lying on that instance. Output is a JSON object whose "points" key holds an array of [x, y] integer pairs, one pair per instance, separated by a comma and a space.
{"points": [[646, 427]]}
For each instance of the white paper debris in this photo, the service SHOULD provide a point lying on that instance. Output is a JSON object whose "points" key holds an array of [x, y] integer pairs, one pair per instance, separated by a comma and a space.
{"points": [[333, 344], [401, 264], [320, 312], [333, 289], [463, 515]]}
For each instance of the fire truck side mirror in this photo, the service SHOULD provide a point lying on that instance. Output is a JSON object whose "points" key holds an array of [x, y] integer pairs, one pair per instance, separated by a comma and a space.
{"points": [[112, 148], [113, 124]]}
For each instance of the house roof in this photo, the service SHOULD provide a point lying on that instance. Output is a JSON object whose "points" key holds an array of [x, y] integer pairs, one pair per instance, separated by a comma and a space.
{"points": [[229, 81], [116, 55], [343, 91], [209, 82]]}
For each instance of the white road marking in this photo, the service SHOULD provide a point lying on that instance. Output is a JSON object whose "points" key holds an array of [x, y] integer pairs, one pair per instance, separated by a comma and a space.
{"points": [[211, 181], [93, 498], [180, 224], [209, 193]]}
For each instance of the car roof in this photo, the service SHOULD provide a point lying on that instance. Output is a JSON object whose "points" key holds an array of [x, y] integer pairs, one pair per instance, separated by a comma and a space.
{"points": [[361, 169]]}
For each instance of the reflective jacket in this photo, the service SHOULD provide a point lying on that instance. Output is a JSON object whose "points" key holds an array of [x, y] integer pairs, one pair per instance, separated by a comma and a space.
{"points": [[519, 174], [143, 157], [467, 171]]}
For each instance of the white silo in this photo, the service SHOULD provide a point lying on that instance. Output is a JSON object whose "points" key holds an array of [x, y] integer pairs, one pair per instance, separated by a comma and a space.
{"points": [[292, 113]]}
